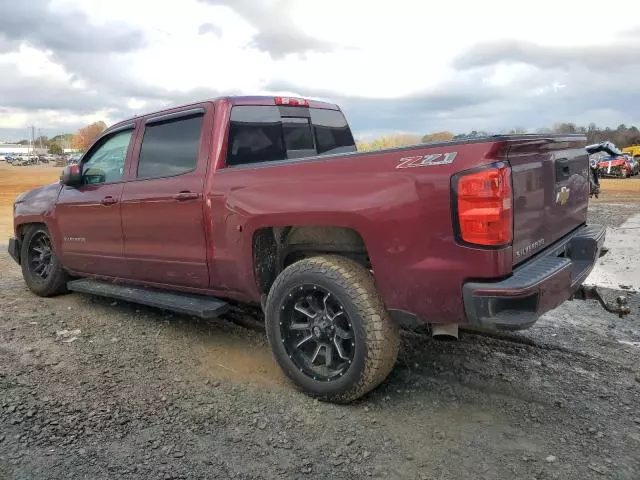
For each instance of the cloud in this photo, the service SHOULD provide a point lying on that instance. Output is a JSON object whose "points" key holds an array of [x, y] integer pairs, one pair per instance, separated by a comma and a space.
{"points": [[277, 34], [206, 28], [476, 100], [591, 57], [34, 93], [69, 40], [63, 62], [63, 102], [40, 93], [64, 30]]}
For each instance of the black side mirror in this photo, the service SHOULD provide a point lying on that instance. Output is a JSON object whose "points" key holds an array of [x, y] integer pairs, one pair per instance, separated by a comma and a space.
{"points": [[71, 176]]}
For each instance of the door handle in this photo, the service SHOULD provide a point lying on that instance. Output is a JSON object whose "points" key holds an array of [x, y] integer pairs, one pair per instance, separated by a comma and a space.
{"points": [[109, 200], [186, 196]]}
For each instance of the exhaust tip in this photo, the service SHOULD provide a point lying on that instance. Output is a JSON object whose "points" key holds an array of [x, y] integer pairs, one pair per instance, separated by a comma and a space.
{"points": [[447, 333]]}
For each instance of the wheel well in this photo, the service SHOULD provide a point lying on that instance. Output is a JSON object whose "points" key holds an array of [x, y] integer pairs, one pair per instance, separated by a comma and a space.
{"points": [[22, 228], [275, 248]]}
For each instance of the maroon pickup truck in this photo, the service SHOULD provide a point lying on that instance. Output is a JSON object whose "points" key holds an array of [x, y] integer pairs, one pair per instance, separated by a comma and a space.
{"points": [[266, 201]]}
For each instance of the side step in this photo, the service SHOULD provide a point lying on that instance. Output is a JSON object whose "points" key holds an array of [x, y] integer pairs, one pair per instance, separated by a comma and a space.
{"points": [[197, 305]]}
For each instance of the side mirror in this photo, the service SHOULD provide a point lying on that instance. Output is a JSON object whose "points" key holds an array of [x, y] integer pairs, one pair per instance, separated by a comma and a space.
{"points": [[71, 176]]}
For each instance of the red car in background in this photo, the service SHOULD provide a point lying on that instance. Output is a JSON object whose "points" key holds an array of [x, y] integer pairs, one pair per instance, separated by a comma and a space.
{"points": [[622, 166]]}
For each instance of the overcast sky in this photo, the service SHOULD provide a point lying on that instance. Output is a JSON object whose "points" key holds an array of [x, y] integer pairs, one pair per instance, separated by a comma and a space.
{"points": [[401, 65]]}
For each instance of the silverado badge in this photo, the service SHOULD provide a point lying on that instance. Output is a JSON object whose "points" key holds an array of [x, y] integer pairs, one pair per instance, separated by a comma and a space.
{"points": [[563, 195]]}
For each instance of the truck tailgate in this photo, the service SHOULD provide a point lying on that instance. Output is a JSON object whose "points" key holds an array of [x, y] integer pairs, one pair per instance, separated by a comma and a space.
{"points": [[550, 191]]}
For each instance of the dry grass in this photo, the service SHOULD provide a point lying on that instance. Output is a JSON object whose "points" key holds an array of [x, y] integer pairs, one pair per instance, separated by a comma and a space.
{"points": [[15, 180], [619, 190]]}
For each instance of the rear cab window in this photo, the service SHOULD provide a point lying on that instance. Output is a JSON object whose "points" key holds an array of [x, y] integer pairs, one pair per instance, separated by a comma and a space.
{"points": [[265, 133]]}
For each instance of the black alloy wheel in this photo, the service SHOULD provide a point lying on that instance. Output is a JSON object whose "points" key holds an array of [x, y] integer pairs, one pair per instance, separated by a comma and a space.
{"points": [[41, 268], [317, 333], [40, 256]]}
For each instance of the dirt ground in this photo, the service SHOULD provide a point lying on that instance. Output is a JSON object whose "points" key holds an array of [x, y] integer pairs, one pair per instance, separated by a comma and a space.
{"points": [[96, 389], [619, 190]]}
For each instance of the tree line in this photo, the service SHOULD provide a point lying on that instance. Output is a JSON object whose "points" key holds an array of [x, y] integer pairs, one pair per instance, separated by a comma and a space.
{"points": [[622, 136], [81, 140]]}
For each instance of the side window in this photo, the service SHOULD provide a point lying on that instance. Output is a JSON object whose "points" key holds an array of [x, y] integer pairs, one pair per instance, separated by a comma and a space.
{"points": [[255, 135], [264, 133], [105, 164], [333, 134], [170, 148]]}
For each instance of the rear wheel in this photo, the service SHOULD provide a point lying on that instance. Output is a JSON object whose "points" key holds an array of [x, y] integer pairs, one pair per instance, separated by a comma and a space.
{"points": [[329, 330], [41, 268]]}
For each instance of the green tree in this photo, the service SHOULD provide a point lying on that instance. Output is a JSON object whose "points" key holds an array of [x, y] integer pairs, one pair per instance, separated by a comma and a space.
{"points": [[55, 149]]}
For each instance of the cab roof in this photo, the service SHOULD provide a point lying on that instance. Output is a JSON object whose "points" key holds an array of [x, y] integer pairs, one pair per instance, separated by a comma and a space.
{"points": [[231, 100]]}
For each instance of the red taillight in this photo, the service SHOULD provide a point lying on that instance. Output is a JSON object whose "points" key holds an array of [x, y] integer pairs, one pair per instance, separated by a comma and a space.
{"points": [[293, 102], [485, 212]]}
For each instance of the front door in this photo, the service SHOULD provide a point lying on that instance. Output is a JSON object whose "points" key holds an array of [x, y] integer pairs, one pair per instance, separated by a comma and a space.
{"points": [[163, 204], [89, 216]]}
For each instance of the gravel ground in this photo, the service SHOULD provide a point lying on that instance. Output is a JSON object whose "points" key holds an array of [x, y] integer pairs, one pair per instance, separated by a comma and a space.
{"points": [[611, 214], [95, 389]]}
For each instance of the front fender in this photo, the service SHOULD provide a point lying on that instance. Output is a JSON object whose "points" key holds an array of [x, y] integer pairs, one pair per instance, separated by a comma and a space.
{"points": [[38, 206]]}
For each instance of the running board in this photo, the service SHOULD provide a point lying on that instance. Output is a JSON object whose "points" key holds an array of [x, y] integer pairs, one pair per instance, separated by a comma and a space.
{"points": [[197, 305]]}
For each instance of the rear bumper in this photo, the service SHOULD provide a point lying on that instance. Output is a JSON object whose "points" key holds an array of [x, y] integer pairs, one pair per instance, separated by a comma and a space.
{"points": [[537, 286], [14, 249]]}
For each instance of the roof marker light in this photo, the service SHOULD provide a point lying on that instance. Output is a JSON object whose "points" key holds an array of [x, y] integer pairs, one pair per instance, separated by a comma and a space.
{"points": [[293, 102]]}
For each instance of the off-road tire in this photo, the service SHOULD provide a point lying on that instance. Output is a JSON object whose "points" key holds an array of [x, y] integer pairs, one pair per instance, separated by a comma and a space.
{"points": [[56, 282], [376, 337]]}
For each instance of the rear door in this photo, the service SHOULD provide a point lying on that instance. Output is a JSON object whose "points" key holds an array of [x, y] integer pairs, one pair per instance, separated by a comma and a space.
{"points": [[550, 191], [89, 216], [162, 204]]}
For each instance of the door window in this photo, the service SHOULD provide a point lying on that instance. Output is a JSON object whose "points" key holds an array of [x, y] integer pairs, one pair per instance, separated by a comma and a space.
{"points": [[170, 148], [105, 164]]}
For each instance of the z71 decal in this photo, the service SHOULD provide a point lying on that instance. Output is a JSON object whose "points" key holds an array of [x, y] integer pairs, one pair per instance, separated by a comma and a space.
{"points": [[427, 160]]}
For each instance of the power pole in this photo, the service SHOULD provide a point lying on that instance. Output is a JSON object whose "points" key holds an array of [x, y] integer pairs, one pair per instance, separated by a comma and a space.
{"points": [[33, 140]]}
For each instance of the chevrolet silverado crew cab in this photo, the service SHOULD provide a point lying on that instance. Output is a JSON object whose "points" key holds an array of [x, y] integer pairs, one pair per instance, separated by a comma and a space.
{"points": [[265, 201]]}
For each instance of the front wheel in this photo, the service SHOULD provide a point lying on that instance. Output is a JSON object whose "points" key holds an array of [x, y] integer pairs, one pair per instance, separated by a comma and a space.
{"points": [[328, 328], [41, 268]]}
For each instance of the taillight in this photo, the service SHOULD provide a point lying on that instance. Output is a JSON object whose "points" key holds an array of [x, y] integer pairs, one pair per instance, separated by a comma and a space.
{"points": [[484, 206], [293, 102]]}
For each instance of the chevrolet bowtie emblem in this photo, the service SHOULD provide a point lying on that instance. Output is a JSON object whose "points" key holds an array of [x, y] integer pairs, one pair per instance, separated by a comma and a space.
{"points": [[563, 195]]}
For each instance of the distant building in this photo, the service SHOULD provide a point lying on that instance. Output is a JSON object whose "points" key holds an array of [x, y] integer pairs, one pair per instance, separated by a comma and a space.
{"points": [[9, 148]]}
